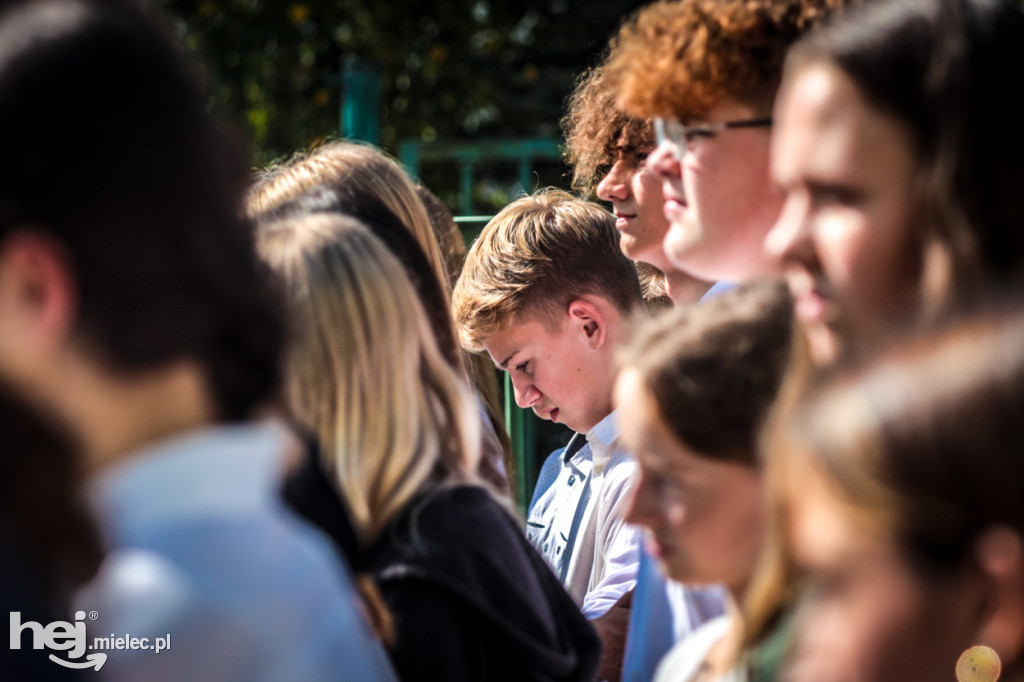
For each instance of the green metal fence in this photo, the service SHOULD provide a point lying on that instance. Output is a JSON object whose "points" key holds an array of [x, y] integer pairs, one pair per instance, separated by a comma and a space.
{"points": [[523, 152]]}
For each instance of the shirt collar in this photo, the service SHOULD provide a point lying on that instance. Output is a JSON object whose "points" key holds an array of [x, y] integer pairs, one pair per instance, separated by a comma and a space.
{"points": [[218, 470], [606, 432], [602, 439]]}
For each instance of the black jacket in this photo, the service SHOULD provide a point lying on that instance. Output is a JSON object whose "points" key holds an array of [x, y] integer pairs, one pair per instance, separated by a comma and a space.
{"points": [[471, 598]]}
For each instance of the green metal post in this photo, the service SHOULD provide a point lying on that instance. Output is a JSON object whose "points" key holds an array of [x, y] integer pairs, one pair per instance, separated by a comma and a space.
{"points": [[525, 167], [520, 427], [360, 104]]}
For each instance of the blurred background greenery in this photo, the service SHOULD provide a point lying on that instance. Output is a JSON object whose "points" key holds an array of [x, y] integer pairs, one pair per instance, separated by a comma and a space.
{"points": [[455, 71]]}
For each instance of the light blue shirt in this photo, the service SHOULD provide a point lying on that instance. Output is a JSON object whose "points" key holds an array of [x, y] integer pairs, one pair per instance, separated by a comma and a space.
{"points": [[717, 289], [664, 612], [203, 551]]}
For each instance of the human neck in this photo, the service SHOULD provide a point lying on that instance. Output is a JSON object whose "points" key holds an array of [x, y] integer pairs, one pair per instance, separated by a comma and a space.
{"points": [[684, 289], [724, 655], [113, 414]]}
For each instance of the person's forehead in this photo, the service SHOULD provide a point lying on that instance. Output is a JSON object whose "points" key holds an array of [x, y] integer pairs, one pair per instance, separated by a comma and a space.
{"points": [[521, 330], [828, 125]]}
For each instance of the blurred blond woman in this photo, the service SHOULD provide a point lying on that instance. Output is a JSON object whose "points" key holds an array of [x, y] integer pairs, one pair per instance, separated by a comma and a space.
{"points": [[366, 172], [397, 426]]}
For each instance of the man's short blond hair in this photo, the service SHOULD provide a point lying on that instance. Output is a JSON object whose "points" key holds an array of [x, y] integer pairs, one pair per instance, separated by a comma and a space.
{"points": [[538, 255]]}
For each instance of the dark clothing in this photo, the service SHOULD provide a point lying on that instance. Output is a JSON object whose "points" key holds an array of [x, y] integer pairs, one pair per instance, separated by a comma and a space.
{"points": [[309, 492], [22, 591], [471, 599]]}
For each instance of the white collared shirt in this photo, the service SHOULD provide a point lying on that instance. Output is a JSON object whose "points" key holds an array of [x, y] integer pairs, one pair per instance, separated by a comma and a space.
{"points": [[577, 523]]}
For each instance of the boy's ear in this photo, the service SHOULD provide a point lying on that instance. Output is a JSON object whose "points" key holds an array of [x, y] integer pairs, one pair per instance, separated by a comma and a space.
{"points": [[37, 291], [587, 316], [1000, 555]]}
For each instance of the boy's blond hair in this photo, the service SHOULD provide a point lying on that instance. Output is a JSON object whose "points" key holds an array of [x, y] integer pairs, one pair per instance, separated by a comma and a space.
{"points": [[538, 255]]}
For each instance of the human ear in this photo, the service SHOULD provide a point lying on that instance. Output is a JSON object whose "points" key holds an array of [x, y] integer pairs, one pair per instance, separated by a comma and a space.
{"points": [[588, 317], [37, 296], [999, 552]]}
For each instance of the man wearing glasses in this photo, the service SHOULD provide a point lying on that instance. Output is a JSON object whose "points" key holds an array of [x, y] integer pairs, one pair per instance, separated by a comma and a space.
{"points": [[707, 71]]}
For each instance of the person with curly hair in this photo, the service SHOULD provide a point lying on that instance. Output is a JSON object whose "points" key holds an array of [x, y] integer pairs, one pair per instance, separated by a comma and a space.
{"points": [[607, 149], [707, 71]]}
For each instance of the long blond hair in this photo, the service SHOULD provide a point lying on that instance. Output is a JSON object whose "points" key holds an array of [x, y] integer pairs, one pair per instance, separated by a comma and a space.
{"points": [[360, 168], [364, 371]]}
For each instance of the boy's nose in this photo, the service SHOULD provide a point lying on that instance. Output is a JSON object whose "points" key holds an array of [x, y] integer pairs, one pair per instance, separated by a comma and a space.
{"points": [[664, 163], [613, 186], [526, 396]]}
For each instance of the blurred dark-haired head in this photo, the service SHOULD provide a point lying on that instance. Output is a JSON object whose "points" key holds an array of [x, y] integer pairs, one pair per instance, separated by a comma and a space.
{"points": [[899, 480], [109, 151]]}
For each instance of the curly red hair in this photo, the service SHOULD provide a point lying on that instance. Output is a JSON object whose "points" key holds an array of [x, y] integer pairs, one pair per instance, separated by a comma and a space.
{"points": [[681, 58]]}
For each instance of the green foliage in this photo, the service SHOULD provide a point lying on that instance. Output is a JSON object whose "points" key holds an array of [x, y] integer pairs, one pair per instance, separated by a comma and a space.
{"points": [[458, 70]]}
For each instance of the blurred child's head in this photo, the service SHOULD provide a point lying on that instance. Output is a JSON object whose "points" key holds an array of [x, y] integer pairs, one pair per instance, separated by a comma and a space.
{"points": [[900, 163], [693, 388], [901, 488]]}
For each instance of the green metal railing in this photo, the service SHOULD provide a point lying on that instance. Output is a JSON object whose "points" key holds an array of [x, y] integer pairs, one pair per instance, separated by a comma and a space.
{"points": [[524, 152]]}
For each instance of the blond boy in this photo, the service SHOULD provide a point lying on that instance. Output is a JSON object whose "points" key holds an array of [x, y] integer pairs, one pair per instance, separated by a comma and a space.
{"points": [[547, 293]]}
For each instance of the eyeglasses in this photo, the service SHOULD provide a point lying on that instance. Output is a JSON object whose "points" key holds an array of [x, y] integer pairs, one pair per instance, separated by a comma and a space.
{"points": [[682, 138]]}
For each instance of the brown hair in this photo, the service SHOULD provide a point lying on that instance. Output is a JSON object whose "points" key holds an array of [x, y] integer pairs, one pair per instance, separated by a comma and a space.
{"points": [[714, 368], [478, 365], [538, 255], [359, 168], [653, 287], [449, 238], [596, 128], [682, 58]]}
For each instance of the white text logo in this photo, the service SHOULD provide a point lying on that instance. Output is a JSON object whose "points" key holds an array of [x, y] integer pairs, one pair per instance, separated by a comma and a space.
{"points": [[71, 637]]}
